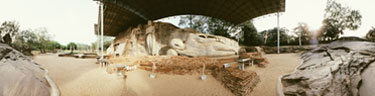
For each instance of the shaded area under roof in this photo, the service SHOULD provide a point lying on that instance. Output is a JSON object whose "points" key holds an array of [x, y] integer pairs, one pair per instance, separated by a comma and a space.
{"points": [[121, 14]]}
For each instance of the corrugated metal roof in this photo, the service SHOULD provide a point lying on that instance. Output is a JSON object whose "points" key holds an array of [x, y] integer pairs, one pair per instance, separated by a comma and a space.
{"points": [[121, 14]]}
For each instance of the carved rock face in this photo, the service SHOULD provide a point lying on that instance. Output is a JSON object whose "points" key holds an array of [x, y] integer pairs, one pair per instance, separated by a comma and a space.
{"points": [[166, 39], [340, 68], [198, 44]]}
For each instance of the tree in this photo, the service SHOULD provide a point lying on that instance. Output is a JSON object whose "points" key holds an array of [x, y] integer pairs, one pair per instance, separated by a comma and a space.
{"points": [[337, 19], [222, 28], [52, 45], [7, 31], [250, 35], [28, 40], [107, 41], [25, 41], [43, 39], [272, 37], [72, 46], [210, 25], [195, 22], [371, 34], [81, 46], [303, 33]]}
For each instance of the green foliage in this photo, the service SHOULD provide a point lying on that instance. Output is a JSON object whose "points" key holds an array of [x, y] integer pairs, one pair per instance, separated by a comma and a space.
{"points": [[221, 27], [250, 35], [272, 37], [81, 46], [39, 39], [303, 34], [209, 25], [371, 34], [337, 19], [52, 45], [43, 39], [215, 26], [25, 41], [195, 22], [107, 41], [7, 31], [72, 46]]}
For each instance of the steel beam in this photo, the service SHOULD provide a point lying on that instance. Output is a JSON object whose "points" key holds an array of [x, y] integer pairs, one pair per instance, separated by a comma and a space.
{"points": [[123, 4]]}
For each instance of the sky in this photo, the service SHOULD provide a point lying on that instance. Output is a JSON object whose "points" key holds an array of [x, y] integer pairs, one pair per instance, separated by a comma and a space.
{"points": [[312, 13], [66, 20], [73, 20]]}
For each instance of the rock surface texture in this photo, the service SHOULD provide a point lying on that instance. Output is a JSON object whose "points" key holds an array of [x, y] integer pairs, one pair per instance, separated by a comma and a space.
{"points": [[20, 76], [335, 69], [158, 38], [241, 83]]}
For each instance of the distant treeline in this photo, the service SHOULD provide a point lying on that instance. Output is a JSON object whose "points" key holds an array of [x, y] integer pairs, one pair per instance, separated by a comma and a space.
{"points": [[337, 18], [28, 40]]}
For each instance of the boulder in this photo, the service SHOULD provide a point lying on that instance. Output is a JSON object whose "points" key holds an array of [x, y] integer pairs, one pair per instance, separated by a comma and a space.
{"points": [[20, 76], [340, 68]]}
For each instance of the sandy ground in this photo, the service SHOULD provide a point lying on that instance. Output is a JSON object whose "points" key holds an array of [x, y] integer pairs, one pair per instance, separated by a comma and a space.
{"points": [[280, 64], [82, 77], [174, 85]]}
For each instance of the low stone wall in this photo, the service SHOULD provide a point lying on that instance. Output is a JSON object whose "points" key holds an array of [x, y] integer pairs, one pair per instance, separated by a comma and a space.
{"points": [[179, 64], [241, 83], [283, 49]]}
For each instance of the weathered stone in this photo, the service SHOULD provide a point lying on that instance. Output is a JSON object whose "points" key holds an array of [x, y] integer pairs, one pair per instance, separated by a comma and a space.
{"points": [[241, 83], [334, 69], [20, 76], [178, 64], [158, 38]]}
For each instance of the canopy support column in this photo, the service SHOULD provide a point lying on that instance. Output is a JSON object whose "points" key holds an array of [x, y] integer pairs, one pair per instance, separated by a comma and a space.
{"points": [[278, 33], [101, 30]]}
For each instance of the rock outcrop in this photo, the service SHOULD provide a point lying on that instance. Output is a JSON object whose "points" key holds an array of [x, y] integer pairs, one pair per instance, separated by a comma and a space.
{"points": [[20, 76], [335, 69], [158, 38]]}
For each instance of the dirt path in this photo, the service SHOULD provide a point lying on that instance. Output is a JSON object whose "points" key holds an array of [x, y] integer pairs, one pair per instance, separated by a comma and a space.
{"points": [[174, 85], [82, 77], [280, 64]]}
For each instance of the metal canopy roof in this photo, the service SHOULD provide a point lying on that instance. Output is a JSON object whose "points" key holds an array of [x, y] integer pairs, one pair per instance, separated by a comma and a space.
{"points": [[121, 14]]}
